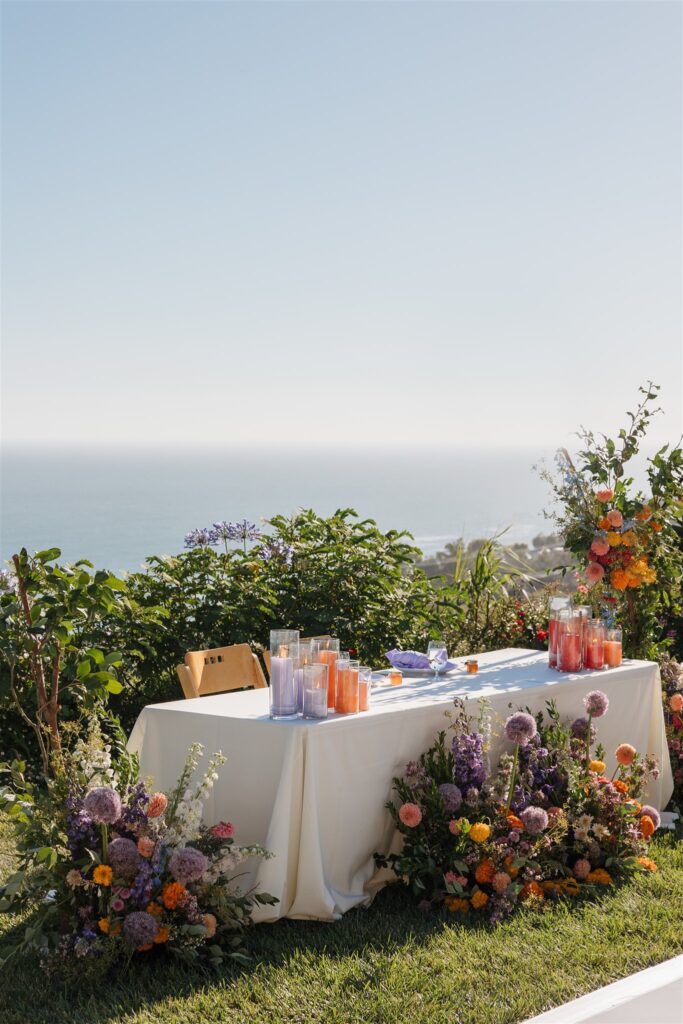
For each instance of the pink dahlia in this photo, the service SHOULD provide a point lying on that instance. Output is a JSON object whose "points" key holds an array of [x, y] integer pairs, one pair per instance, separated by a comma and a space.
{"points": [[594, 572], [604, 494], [615, 517], [676, 702], [501, 880], [146, 846], [224, 830], [157, 805], [581, 868], [410, 815]]}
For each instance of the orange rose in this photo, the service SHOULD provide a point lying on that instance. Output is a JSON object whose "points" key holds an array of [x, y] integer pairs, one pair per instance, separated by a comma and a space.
{"points": [[647, 826], [619, 579], [604, 523], [647, 863], [171, 894], [620, 786], [604, 494], [479, 899], [515, 822], [162, 935]]}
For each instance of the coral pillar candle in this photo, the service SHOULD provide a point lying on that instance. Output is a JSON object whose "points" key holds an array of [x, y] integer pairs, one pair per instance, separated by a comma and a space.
{"points": [[569, 641], [594, 656], [364, 680], [557, 604], [612, 648], [347, 698], [327, 655], [340, 689]]}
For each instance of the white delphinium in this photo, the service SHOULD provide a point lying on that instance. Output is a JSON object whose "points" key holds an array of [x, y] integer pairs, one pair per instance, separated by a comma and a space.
{"points": [[187, 804]]}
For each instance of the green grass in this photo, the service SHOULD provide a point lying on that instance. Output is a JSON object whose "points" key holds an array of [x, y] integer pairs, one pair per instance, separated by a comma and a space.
{"points": [[385, 965]]}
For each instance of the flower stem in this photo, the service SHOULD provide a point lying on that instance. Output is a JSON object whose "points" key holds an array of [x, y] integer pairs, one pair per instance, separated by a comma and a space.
{"points": [[588, 740], [512, 777]]}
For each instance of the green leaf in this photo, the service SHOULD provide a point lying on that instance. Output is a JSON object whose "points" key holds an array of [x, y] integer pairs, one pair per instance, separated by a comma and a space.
{"points": [[114, 686]]}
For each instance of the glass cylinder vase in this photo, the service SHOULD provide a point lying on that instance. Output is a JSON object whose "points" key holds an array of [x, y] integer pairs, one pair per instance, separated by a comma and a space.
{"points": [[555, 606], [613, 649], [569, 641], [284, 655], [328, 654], [315, 690], [594, 656]]}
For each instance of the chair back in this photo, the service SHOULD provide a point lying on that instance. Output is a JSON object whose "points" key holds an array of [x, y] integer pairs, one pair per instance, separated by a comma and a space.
{"points": [[266, 654], [220, 670]]}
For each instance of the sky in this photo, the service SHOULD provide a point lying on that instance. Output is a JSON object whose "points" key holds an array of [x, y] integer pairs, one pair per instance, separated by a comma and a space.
{"points": [[338, 224]]}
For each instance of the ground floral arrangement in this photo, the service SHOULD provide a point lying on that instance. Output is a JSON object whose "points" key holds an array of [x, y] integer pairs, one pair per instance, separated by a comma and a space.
{"points": [[672, 695], [112, 870], [547, 823]]}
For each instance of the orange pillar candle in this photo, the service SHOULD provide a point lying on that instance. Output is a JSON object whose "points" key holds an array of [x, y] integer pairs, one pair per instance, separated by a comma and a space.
{"points": [[348, 690], [612, 648], [329, 658]]}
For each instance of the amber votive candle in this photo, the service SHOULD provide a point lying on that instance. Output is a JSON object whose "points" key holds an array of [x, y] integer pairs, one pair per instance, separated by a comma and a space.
{"points": [[472, 666], [612, 648], [395, 677]]}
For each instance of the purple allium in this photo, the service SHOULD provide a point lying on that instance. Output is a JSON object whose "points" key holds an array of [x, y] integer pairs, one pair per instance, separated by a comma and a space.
{"points": [[520, 728], [103, 805], [535, 819], [140, 928], [596, 703], [451, 796], [200, 538], [579, 729], [653, 813], [187, 864], [124, 857]]}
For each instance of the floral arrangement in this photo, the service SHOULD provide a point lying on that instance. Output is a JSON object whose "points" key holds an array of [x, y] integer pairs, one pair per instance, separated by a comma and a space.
{"points": [[547, 823], [672, 696], [624, 541], [128, 871]]}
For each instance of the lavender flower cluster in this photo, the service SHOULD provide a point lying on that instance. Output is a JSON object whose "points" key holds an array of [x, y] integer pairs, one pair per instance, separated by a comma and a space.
{"points": [[539, 780], [469, 769]]}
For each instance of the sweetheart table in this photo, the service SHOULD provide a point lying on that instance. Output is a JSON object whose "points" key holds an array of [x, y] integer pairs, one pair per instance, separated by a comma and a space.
{"points": [[313, 792]]}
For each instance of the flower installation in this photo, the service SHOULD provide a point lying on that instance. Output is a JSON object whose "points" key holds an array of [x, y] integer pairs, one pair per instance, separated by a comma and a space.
{"points": [[131, 871], [546, 823], [672, 696]]}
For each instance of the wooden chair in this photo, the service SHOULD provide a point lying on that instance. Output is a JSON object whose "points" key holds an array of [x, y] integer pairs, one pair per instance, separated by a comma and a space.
{"points": [[220, 670], [266, 654]]}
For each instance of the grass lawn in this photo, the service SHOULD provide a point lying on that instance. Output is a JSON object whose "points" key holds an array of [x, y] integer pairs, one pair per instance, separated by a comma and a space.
{"points": [[386, 964]]}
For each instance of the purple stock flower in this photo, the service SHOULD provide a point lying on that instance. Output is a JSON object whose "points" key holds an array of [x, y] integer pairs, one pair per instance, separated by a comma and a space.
{"points": [[141, 888], [187, 864], [140, 928], [535, 819], [469, 770], [520, 728], [596, 703], [451, 796], [103, 805], [134, 813], [124, 857]]}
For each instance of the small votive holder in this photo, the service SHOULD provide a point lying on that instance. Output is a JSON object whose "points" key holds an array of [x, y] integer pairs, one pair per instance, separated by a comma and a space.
{"points": [[395, 676], [612, 648], [594, 653], [315, 690], [472, 666], [364, 684]]}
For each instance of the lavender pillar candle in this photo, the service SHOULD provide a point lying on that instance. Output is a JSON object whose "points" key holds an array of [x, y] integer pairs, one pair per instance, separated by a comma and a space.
{"points": [[282, 692]]}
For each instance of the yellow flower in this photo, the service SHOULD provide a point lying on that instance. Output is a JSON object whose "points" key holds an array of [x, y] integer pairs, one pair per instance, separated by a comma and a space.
{"points": [[103, 925], [613, 539], [599, 877], [456, 904], [479, 899], [480, 832], [629, 539], [102, 874], [597, 766]]}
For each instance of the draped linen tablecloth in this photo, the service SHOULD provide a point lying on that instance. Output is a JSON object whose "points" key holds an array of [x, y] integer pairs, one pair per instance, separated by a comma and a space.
{"points": [[313, 793]]}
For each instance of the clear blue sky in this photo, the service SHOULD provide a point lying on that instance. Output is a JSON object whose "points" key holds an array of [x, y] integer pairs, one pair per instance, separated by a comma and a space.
{"points": [[339, 223]]}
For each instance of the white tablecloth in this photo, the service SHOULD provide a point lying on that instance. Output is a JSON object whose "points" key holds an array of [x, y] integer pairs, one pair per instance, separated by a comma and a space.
{"points": [[313, 792]]}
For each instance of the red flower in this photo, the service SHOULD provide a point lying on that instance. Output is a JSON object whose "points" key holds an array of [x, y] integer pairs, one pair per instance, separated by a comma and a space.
{"points": [[677, 722], [520, 622], [541, 635]]}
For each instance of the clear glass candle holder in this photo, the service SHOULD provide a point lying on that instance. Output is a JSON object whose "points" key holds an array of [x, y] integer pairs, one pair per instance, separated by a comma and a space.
{"points": [[347, 698], [612, 647], [284, 655], [315, 690], [555, 606], [584, 612], [569, 641], [342, 666], [364, 686], [594, 649], [328, 653], [308, 655]]}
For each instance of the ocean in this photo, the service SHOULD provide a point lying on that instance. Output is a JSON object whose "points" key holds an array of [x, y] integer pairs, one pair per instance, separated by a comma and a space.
{"points": [[116, 506]]}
